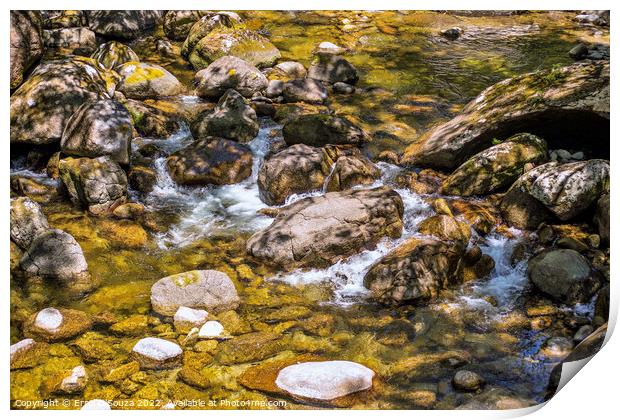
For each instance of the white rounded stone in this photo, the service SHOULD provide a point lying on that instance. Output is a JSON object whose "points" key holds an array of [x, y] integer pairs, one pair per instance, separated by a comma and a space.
{"points": [[23, 345], [49, 319], [325, 380], [186, 318], [96, 405], [211, 329], [157, 349]]}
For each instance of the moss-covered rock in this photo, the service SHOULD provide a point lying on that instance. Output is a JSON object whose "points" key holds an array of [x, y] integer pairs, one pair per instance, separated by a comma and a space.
{"points": [[321, 129], [496, 167], [53, 324], [113, 53], [145, 80], [251, 347]]}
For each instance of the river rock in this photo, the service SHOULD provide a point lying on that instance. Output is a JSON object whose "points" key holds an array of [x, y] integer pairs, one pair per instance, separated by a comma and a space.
{"points": [[233, 118], [211, 330], [145, 80], [41, 107], [228, 38], [156, 353], [251, 347], [211, 161], [73, 381], [320, 129], [113, 53], [202, 289], [325, 380], [601, 218], [287, 70], [570, 188], [177, 23], [124, 24], [446, 228], [100, 128], [351, 168], [26, 43], [331, 68], [150, 121], [229, 73], [304, 90], [496, 167], [28, 353], [295, 170], [51, 324], [56, 255], [468, 381], [515, 105], [563, 274], [417, 270], [64, 19], [187, 318], [318, 231], [27, 221], [78, 39], [205, 24], [98, 184], [40, 190], [142, 178]]}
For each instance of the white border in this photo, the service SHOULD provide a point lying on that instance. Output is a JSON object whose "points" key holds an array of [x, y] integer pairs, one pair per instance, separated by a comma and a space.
{"points": [[592, 394]]}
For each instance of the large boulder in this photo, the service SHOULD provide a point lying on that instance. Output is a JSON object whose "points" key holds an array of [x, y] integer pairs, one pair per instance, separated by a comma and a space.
{"points": [[56, 256], [210, 290], [221, 35], [177, 23], [229, 73], [98, 184], [294, 170], [554, 190], [515, 105], [100, 128], [150, 121], [496, 167], [81, 40], [41, 107], [417, 270], [112, 54], [601, 218], [233, 118], [570, 188], [304, 90], [211, 161], [351, 168], [320, 129], [27, 221], [63, 19], [563, 274], [331, 68], [125, 24], [446, 228], [318, 231], [26, 43], [144, 80]]}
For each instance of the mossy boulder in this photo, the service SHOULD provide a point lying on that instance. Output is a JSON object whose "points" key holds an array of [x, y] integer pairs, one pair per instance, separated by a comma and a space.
{"points": [[98, 184], [320, 129], [113, 53], [415, 271], [150, 121], [512, 105], [42, 106], [27, 221], [229, 72], [211, 161], [124, 24], [76, 40], [205, 24], [233, 118], [294, 170], [145, 80], [177, 23], [351, 168], [228, 39], [99, 128], [26, 43], [446, 228], [496, 167]]}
